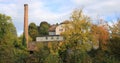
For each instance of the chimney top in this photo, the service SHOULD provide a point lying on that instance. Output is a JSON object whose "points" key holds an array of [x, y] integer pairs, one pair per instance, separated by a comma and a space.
{"points": [[25, 4]]}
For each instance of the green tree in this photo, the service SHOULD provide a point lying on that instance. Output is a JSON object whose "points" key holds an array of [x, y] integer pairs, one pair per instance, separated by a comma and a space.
{"points": [[7, 30], [43, 28], [114, 44], [21, 41], [114, 47], [42, 52], [33, 31], [8, 37]]}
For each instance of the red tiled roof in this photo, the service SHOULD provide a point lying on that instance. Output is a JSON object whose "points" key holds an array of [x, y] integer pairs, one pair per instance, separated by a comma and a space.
{"points": [[52, 28]]}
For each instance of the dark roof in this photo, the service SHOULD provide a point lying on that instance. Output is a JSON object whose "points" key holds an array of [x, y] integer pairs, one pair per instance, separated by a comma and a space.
{"points": [[65, 22], [52, 28]]}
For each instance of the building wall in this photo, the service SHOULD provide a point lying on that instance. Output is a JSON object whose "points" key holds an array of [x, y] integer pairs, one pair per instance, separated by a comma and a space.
{"points": [[52, 33], [49, 38], [59, 29]]}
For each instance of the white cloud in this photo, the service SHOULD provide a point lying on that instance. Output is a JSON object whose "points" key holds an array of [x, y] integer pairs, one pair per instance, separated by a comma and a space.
{"points": [[8, 9], [99, 7], [39, 10], [85, 2]]}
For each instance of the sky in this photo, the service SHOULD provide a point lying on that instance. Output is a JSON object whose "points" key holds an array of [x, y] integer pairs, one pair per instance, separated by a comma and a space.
{"points": [[56, 11]]}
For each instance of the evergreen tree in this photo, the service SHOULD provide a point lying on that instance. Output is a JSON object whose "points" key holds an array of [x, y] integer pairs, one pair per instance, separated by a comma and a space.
{"points": [[33, 31], [43, 28]]}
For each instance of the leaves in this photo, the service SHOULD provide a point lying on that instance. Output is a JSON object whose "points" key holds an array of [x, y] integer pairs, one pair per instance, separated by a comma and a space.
{"points": [[33, 31], [78, 31], [8, 32], [101, 35], [43, 28]]}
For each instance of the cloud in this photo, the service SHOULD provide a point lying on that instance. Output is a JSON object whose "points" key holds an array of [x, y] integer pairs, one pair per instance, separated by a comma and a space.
{"points": [[56, 11], [8, 9], [38, 11], [99, 7], [41, 12]]}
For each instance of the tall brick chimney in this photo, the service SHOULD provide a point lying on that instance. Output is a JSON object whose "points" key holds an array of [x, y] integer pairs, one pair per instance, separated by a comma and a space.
{"points": [[26, 23]]}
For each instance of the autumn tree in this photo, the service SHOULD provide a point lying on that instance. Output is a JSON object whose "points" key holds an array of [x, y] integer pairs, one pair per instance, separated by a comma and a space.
{"points": [[78, 38], [78, 31], [101, 35], [101, 39]]}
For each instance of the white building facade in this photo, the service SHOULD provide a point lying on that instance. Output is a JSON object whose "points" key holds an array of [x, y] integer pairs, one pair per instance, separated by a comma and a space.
{"points": [[54, 34], [50, 38], [59, 29]]}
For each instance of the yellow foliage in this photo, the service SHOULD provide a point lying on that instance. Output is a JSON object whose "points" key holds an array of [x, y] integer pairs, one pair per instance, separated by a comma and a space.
{"points": [[78, 35]]}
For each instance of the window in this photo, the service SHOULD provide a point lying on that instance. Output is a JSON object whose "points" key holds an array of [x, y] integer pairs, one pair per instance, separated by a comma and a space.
{"points": [[57, 37], [52, 37], [60, 29], [46, 38]]}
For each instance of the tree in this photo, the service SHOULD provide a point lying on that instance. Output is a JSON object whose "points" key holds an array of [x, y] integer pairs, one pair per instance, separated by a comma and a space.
{"points": [[77, 36], [101, 35], [42, 52], [101, 39], [33, 31], [114, 47], [8, 32], [8, 37], [78, 31], [114, 44], [43, 28], [115, 29]]}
